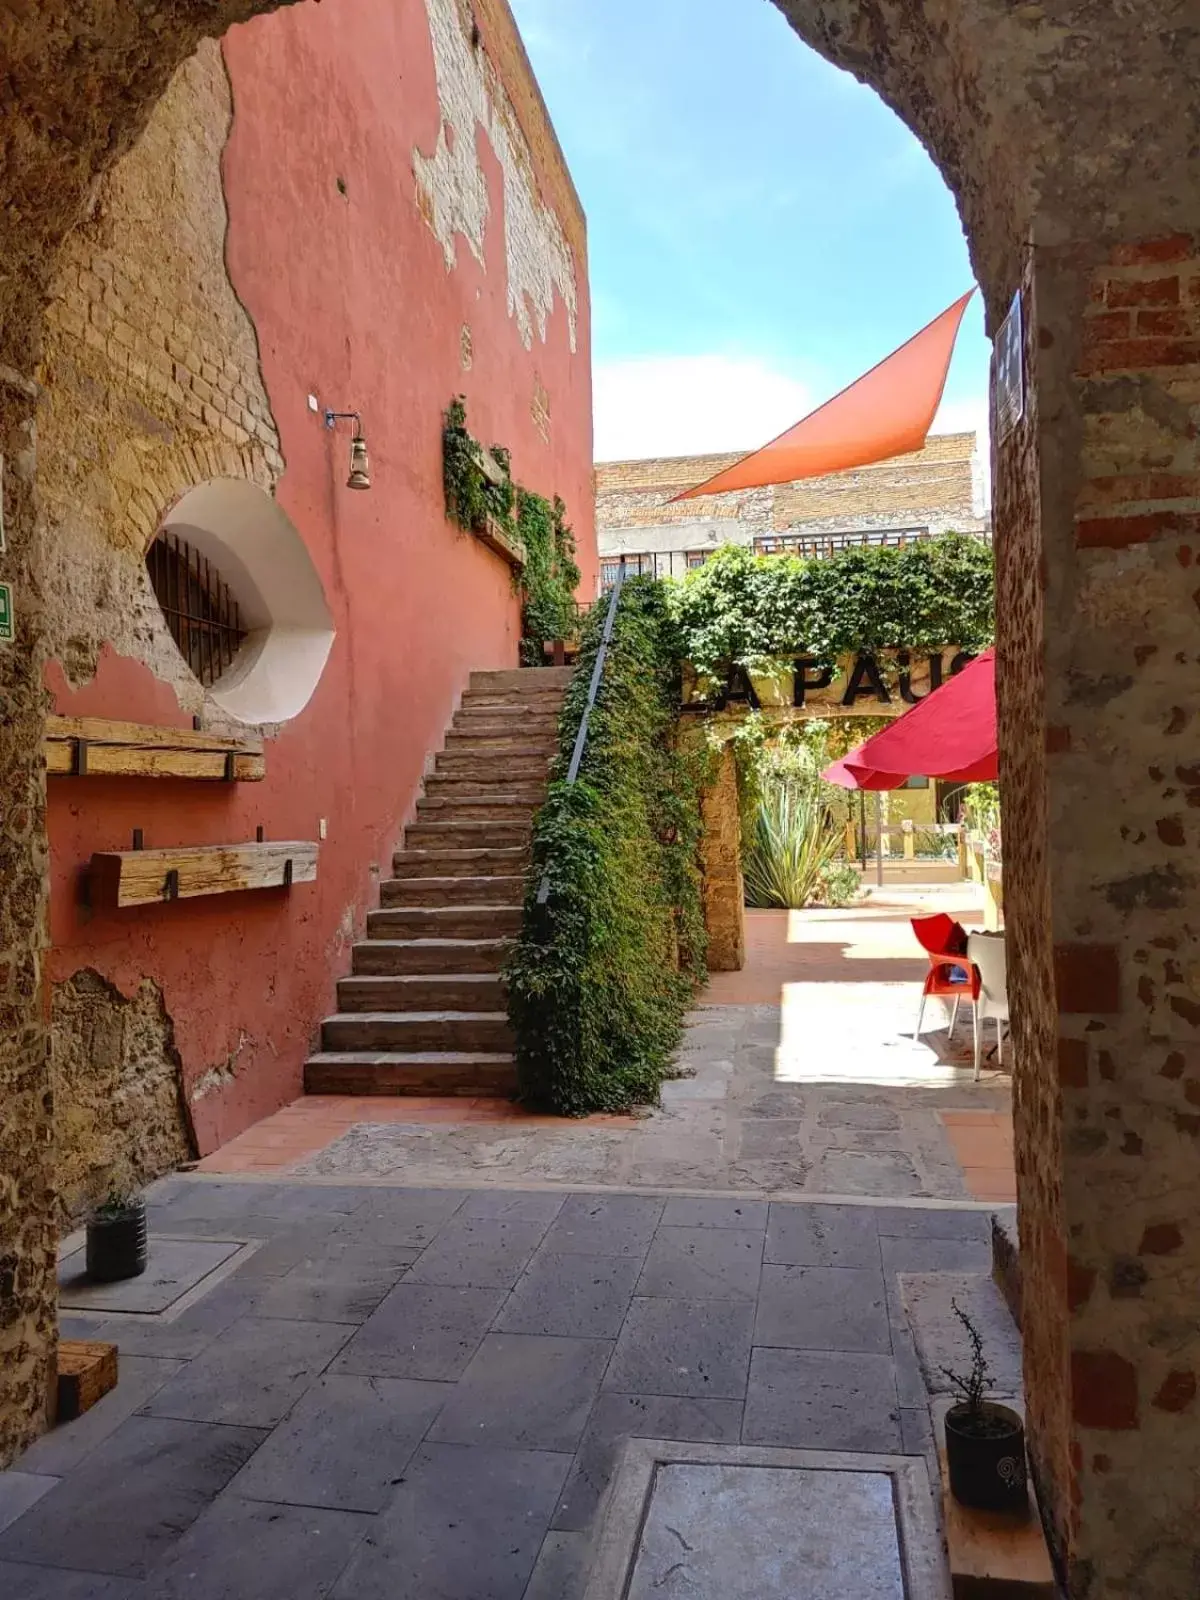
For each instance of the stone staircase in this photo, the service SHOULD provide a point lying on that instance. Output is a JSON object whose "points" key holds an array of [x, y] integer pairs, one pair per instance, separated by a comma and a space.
{"points": [[423, 1010]]}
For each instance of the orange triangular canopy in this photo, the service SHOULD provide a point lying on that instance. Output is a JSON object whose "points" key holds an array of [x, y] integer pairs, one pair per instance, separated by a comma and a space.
{"points": [[886, 412]]}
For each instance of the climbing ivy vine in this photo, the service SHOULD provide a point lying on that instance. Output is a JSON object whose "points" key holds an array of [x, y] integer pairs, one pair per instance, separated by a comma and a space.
{"points": [[602, 974], [549, 577], [748, 610]]}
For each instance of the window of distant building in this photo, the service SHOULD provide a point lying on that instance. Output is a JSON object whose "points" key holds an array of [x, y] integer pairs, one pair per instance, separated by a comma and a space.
{"points": [[696, 558], [825, 544]]}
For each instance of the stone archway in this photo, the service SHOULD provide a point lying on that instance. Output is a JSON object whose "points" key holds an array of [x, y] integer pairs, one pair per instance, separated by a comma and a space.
{"points": [[1069, 136]]}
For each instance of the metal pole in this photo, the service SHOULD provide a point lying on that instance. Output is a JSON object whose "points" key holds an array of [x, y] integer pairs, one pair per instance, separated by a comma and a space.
{"points": [[878, 839]]}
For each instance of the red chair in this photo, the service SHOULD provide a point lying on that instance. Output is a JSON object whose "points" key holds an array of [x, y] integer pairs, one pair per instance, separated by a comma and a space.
{"points": [[950, 975]]}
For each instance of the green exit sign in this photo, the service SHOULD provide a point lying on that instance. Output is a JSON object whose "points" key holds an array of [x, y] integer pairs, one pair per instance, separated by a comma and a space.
{"points": [[6, 613]]}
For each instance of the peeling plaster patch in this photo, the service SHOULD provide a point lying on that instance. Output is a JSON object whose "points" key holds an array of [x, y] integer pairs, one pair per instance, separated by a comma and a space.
{"points": [[452, 185], [221, 1076]]}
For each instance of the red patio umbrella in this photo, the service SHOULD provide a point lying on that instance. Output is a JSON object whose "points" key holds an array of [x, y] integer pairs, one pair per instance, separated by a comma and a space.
{"points": [[950, 734]]}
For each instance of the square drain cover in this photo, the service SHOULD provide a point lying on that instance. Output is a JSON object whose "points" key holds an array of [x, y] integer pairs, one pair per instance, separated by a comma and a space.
{"points": [[768, 1533], [175, 1267], [729, 1522]]}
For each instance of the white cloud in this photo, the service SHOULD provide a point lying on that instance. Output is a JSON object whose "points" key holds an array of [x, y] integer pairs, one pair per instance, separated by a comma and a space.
{"points": [[687, 405]]}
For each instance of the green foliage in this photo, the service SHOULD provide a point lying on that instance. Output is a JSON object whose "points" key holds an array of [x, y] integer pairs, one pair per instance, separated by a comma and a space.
{"points": [[792, 845], [981, 813], [752, 610], [550, 576], [602, 975], [472, 499]]}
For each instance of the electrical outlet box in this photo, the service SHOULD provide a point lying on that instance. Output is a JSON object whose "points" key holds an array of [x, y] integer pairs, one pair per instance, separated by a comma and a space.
{"points": [[322, 828]]}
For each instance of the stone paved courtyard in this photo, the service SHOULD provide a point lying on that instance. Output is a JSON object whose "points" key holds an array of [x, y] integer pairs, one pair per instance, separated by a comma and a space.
{"points": [[799, 1076], [415, 1393]]}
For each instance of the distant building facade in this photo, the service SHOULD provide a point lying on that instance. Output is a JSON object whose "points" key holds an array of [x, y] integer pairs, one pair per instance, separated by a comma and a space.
{"points": [[914, 496]]}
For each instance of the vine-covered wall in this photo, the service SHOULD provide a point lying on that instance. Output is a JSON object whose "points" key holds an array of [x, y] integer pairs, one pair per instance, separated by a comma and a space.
{"points": [[602, 975]]}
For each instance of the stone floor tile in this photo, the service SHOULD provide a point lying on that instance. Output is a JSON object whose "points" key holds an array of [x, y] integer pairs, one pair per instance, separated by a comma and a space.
{"points": [[422, 1330], [617, 1417], [478, 1253], [910, 1381], [916, 1431], [605, 1225], [571, 1295], [684, 1211], [823, 1308], [252, 1374], [345, 1287], [132, 1497], [525, 1392], [245, 1550], [562, 1568], [928, 1222], [185, 1336], [821, 1236], [344, 1444], [402, 1216], [466, 1524], [64, 1447], [822, 1400], [934, 1255], [21, 1582], [872, 1172], [18, 1491], [703, 1264], [683, 1347], [516, 1205]]}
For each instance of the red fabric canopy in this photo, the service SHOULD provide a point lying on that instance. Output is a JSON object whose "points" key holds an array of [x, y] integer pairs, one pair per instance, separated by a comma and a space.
{"points": [[887, 412], [950, 734]]}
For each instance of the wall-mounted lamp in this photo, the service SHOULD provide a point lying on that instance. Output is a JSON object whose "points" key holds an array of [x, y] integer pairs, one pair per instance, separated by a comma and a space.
{"points": [[360, 472]]}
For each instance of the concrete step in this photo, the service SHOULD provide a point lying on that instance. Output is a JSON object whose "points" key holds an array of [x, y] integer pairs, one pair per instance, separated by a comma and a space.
{"points": [[484, 767], [507, 713], [453, 805], [417, 1030], [444, 922], [495, 782], [429, 955], [524, 678], [428, 991], [545, 703], [497, 891], [395, 1072], [467, 835], [490, 741], [410, 863]]}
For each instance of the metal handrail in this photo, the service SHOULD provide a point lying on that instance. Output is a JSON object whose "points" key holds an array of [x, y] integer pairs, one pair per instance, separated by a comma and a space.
{"points": [[614, 599]]}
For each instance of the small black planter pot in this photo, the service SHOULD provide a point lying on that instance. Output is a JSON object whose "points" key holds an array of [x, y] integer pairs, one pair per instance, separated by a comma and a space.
{"points": [[116, 1244], [986, 1458]]}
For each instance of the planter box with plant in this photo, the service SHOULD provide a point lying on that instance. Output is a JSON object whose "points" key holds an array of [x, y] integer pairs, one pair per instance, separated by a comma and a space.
{"points": [[985, 1441], [116, 1238]]}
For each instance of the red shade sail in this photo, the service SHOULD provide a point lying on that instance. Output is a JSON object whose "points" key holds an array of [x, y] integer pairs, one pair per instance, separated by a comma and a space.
{"points": [[950, 734], [887, 412]]}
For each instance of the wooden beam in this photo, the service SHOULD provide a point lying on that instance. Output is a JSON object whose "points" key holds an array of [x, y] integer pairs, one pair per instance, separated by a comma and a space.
{"points": [[495, 537], [995, 1555], [145, 877], [101, 747]]}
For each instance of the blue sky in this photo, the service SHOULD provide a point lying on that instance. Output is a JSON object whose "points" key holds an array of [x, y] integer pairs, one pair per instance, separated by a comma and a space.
{"points": [[762, 228]]}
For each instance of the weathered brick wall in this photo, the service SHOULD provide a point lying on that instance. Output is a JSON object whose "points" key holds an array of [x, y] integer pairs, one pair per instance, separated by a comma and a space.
{"points": [[152, 382], [1123, 788], [721, 860], [935, 487]]}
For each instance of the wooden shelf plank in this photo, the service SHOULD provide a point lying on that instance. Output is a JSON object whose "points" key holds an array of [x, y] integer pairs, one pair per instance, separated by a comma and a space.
{"points": [[995, 1555], [495, 537], [145, 877], [86, 1372], [107, 748]]}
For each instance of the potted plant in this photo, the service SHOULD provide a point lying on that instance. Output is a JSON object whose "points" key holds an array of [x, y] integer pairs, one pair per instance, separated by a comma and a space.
{"points": [[116, 1237], [985, 1441]]}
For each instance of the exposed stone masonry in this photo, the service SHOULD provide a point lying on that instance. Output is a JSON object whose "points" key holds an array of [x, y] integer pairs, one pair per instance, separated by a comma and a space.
{"points": [[119, 1114], [152, 380]]}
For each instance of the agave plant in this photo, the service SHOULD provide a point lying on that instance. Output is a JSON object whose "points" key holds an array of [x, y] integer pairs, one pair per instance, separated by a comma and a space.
{"points": [[794, 843]]}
